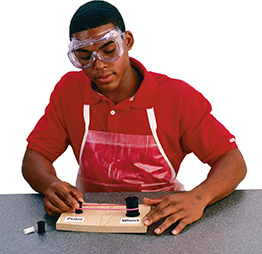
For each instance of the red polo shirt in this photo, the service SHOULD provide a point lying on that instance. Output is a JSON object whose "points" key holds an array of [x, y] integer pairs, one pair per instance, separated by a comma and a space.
{"points": [[183, 118]]}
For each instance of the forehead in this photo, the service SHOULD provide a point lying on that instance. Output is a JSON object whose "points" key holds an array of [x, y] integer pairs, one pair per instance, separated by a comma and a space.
{"points": [[93, 31]]}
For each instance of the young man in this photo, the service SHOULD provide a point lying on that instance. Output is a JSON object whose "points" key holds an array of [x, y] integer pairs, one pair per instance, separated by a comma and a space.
{"points": [[129, 128]]}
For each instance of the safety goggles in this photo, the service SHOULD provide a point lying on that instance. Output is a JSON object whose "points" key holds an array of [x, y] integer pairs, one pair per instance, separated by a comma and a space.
{"points": [[106, 46]]}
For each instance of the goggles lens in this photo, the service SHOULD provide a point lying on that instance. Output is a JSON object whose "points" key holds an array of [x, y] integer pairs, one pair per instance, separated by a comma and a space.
{"points": [[107, 48]]}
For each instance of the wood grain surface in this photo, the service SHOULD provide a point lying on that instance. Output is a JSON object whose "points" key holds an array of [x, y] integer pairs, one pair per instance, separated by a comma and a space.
{"points": [[104, 221]]}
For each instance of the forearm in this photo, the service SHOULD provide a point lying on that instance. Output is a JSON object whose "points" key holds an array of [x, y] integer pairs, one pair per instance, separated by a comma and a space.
{"points": [[38, 171], [224, 176], [187, 207], [59, 196]]}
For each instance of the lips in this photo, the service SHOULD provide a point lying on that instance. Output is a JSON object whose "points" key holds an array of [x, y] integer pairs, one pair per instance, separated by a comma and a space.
{"points": [[105, 78]]}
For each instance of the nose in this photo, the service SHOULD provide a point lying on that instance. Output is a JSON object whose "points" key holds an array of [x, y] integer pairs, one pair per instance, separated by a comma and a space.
{"points": [[97, 62]]}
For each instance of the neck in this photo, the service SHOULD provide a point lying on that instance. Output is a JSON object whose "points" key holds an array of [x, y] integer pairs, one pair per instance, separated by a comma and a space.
{"points": [[128, 87]]}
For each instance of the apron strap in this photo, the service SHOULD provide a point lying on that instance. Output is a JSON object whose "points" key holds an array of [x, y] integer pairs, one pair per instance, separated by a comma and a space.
{"points": [[86, 112], [153, 125]]}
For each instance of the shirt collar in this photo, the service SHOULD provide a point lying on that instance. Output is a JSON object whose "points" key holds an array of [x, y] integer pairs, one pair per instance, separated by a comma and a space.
{"points": [[144, 97]]}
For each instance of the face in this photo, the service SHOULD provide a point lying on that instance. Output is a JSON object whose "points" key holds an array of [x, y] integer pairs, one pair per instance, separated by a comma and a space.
{"points": [[109, 77]]}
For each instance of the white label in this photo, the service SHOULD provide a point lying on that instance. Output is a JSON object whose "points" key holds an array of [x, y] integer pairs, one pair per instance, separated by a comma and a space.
{"points": [[130, 220], [232, 140], [74, 219]]}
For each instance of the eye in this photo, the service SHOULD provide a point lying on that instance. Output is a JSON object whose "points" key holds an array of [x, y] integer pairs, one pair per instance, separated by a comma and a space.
{"points": [[109, 51], [109, 47], [85, 58]]}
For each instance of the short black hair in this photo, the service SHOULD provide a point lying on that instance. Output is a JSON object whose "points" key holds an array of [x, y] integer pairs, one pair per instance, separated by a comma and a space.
{"points": [[94, 14]]}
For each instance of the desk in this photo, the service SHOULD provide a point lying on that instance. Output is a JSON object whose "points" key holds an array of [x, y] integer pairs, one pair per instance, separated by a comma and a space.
{"points": [[233, 225]]}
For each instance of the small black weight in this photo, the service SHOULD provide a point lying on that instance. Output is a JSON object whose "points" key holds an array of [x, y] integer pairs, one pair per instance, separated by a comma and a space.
{"points": [[131, 203]]}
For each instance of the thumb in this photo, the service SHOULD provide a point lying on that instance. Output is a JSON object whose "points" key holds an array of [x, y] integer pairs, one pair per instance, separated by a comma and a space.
{"points": [[75, 192], [152, 201]]}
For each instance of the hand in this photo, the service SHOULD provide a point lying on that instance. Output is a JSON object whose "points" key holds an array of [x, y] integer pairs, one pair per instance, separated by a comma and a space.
{"points": [[185, 208], [61, 197]]}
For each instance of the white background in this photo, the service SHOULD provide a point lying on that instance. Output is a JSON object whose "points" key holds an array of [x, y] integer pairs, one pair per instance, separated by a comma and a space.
{"points": [[215, 46]]}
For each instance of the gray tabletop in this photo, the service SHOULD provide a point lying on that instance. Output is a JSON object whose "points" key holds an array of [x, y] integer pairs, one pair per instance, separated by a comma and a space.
{"points": [[233, 225]]}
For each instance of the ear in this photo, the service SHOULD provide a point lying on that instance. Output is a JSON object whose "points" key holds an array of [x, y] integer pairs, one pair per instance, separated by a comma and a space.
{"points": [[129, 40]]}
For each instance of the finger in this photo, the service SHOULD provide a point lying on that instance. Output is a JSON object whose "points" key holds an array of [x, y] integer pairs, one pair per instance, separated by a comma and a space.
{"points": [[55, 204], [169, 221], [76, 193], [182, 224], [51, 210], [64, 193], [162, 210], [154, 201], [57, 199], [51, 213]]}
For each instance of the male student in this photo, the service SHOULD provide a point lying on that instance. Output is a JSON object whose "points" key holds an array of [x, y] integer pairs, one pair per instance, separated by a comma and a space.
{"points": [[129, 128]]}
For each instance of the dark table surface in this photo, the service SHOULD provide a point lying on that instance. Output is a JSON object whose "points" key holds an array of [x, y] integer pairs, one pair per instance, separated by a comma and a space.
{"points": [[232, 225]]}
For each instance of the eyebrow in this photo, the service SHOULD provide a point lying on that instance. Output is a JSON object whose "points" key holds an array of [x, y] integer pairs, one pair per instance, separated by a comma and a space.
{"points": [[103, 46]]}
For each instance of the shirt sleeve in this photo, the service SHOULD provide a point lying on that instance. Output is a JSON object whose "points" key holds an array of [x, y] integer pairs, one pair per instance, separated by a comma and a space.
{"points": [[49, 136], [203, 134]]}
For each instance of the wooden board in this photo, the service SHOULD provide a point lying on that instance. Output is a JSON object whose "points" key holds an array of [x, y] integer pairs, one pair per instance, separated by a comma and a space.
{"points": [[104, 221]]}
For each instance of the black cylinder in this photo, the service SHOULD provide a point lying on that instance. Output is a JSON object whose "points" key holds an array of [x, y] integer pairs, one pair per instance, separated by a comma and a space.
{"points": [[131, 203], [78, 211], [40, 227]]}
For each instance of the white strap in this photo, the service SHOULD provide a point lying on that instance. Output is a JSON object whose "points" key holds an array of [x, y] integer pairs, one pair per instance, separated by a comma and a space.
{"points": [[87, 122], [153, 126]]}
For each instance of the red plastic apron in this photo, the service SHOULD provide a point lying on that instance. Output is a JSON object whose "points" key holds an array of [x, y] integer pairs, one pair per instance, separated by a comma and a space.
{"points": [[115, 162]]}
